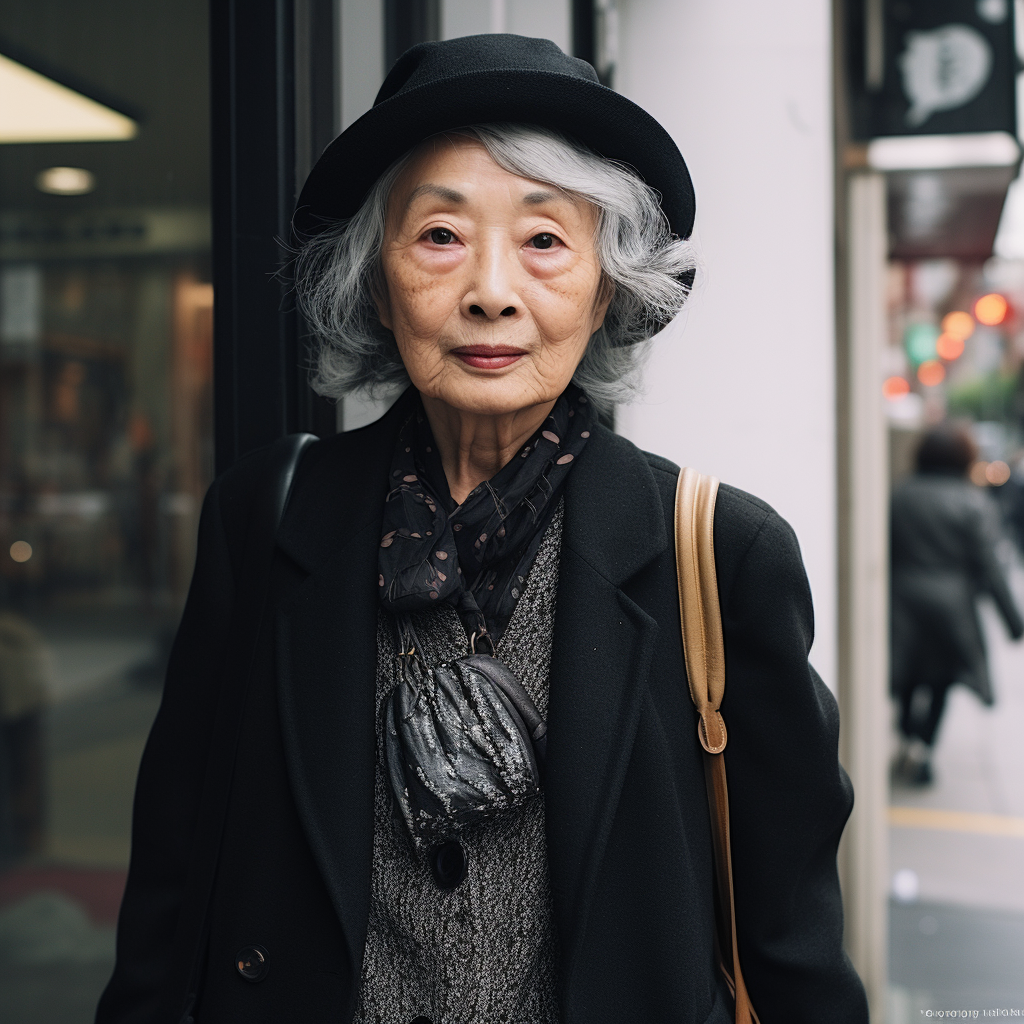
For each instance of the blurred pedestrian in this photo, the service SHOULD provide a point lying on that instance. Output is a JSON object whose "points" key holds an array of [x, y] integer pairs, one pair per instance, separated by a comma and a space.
{"points": [[944, 532], [25, 675]]}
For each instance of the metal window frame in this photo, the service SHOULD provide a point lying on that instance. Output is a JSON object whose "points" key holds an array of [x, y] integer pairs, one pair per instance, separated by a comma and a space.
{"points": [[273, 107]]}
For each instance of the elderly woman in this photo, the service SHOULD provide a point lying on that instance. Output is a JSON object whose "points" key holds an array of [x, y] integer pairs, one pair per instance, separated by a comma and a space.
{"points": [[463, 782]]}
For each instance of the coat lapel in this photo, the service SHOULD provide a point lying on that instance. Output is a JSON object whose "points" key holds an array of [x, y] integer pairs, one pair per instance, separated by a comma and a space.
{"points": [[603, 644], [326, 633]]}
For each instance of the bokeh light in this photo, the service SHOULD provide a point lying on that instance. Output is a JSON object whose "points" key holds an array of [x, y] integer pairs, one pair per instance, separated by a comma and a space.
{"points": [[931, 373], [991, 309], [919, 342], [997, 473], [949, 347], [66, 181], [978, 474], [895, 387], [21, 551], [958, 324]]}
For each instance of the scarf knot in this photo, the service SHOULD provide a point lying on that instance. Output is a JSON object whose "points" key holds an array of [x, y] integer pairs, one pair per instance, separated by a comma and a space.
{"points": [[475, 556]]}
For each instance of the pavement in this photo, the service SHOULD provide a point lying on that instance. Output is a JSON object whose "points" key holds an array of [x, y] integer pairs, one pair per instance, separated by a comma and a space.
{"points": [[58, 909], [957, 854]]}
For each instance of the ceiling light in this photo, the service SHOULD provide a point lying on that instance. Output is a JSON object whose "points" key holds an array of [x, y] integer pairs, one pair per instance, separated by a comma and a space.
{"points": [[37, 109], [66, 181], [939, 152]]}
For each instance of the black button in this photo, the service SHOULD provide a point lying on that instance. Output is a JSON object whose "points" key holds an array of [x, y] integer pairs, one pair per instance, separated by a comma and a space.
{"points": [[251, 963], [449, 864], [421, 1020]]}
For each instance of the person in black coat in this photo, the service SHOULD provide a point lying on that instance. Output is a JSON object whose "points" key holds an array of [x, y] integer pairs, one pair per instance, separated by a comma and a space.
{"points": [[449, 771], [944, 532]]}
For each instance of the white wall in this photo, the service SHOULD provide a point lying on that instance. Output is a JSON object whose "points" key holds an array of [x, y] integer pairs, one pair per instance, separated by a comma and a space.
{"points": [[742, 386], [548, 19]]}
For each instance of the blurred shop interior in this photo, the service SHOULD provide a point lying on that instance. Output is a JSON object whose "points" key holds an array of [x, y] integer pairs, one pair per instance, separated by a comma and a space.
{"points": [[150, 154], [106, 405]]}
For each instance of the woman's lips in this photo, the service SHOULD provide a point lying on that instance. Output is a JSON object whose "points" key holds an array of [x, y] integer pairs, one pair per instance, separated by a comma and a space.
{"points": [[488, 357]]}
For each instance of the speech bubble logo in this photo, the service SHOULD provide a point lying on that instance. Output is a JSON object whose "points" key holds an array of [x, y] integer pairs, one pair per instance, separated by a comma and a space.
{"points": [[943, 69]]}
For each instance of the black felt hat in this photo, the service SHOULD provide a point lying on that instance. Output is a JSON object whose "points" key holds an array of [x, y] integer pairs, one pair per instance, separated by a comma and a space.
{"points": [[436, 87]]}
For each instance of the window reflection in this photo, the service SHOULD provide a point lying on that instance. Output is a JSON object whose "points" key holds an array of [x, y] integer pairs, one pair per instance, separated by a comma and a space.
{"points": [[105, 454]]}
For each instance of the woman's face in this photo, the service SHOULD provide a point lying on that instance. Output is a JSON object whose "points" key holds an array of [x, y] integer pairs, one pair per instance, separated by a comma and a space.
{"points": [[493, 282]]}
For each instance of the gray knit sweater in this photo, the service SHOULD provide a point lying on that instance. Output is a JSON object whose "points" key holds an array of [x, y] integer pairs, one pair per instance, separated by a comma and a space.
{"points": [[483, 953]]}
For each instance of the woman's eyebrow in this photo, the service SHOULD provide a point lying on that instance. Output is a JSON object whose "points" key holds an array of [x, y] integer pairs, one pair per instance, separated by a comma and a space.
{"points": [[540, 197], [449, 195]]}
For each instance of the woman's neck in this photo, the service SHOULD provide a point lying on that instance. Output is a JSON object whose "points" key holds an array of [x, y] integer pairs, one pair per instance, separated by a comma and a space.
{"points": [[474, 446]]}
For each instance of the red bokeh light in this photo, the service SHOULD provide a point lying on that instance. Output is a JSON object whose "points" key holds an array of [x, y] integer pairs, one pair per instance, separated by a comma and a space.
{"points": [[895, 387], [949, 347]]}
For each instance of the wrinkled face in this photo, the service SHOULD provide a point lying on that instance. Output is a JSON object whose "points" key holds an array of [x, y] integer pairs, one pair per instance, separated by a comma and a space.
{"points": [[493, 282]]}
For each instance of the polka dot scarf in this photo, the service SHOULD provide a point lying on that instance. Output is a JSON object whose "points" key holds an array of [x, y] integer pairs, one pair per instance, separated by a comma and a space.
{"points": [[475, 555]]}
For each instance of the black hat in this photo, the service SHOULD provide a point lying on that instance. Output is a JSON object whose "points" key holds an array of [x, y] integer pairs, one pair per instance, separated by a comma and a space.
{"points": [[436, 87]]}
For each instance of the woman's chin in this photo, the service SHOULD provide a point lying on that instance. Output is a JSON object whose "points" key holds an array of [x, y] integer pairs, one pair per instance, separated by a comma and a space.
{"points": [[491, 394]]}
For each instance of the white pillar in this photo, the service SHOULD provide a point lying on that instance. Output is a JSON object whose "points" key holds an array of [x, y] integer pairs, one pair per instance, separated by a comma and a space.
{"points": [[864, 630], [742, 386]]}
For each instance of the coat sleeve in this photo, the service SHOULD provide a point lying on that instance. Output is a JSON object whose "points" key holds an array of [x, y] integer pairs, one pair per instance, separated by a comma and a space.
{"points": [[170, 784], [789, 796]]}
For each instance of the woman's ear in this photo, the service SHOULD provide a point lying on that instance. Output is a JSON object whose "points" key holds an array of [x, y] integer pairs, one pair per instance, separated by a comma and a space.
{"points": [[605, 294]]}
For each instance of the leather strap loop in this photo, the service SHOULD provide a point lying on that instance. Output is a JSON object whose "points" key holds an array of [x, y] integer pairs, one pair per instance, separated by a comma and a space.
{"points": [[711, 732]]}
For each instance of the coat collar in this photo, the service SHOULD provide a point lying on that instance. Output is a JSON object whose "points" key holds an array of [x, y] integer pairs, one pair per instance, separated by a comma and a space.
{"points": [[614, 525]]}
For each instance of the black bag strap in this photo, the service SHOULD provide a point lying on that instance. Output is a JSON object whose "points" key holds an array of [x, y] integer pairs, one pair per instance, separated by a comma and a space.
{"points": [[253, 588]]}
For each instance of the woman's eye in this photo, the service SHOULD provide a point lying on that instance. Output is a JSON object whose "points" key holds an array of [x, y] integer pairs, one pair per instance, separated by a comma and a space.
{"points": [[441, 236], [543, 241]]}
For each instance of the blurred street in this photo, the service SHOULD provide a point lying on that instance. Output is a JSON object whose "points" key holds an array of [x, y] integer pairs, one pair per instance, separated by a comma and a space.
{"points": [[957, 853]]}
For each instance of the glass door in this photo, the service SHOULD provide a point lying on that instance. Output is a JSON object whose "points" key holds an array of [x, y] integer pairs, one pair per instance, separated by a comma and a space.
{"points": [[106, 313]]}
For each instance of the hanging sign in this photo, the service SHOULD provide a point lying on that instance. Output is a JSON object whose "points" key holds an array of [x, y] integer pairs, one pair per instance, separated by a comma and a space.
{"points": [[932, 67]]}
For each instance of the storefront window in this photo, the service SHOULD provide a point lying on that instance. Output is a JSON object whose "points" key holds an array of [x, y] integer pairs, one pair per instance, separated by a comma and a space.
{"points": [[105, 454]]}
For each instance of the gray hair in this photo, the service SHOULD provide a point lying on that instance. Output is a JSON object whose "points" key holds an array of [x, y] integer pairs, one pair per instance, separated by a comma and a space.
{"points": [[338, 270]]}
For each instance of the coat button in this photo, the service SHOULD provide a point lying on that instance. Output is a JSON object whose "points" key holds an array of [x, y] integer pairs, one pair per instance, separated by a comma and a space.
{"points": [[251, 963], [449, 864], [421, 1020]]}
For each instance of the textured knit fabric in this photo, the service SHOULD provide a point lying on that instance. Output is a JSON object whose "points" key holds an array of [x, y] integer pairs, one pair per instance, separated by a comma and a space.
{"points": [[485, 951]]}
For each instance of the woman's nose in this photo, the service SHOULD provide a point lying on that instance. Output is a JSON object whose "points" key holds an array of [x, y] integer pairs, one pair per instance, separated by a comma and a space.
{"points": [[492, 293]]}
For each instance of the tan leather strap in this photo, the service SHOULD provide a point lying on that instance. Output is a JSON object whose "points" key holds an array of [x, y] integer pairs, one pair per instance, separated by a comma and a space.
{"points": [[704, 651]]}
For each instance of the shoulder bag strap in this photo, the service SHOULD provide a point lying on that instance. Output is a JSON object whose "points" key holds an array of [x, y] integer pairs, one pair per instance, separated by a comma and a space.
{"points": [[252, 591], [704, 650]]}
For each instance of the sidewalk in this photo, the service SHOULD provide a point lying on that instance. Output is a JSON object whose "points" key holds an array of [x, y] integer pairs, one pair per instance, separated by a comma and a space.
{"points": [[958, 943]]}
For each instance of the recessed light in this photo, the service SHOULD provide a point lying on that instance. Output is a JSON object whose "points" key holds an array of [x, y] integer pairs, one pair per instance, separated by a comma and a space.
{"points": [[38, 109], [66, 181], [21, 551]]}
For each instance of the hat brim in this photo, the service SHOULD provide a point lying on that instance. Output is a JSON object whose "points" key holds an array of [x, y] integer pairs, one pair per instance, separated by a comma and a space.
{"points": [[601, 118]]}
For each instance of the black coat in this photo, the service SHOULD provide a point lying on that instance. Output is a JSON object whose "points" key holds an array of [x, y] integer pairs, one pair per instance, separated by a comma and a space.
{"points": [[944, 532], [629, 838]]}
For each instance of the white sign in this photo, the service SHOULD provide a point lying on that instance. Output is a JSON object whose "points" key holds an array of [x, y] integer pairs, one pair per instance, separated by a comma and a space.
{"points": [[943, 69]]}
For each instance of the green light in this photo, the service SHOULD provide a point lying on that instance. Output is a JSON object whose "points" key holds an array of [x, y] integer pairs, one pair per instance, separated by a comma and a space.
{"points": [[919, 341]]}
